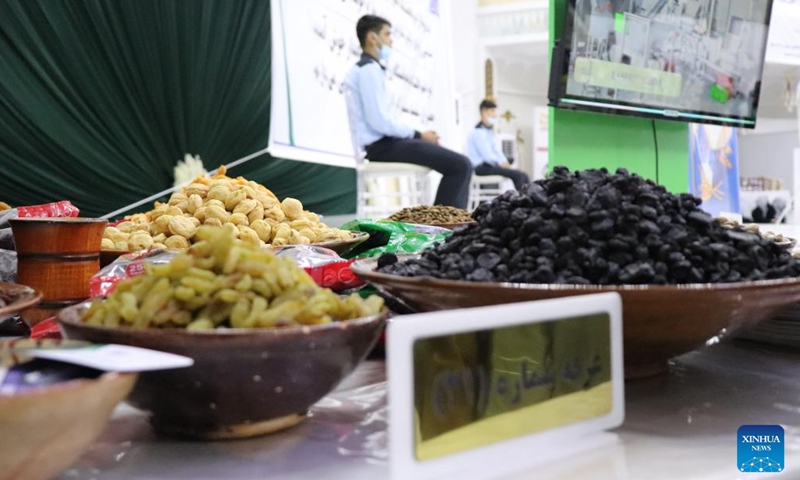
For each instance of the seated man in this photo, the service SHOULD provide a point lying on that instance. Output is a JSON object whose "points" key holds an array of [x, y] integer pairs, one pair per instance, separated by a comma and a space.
{"points": [[382, 136], [484, 152]]}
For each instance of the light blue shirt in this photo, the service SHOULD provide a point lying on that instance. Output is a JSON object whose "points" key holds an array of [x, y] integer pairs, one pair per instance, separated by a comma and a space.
{"points": [[373, 108], [482, 147]]}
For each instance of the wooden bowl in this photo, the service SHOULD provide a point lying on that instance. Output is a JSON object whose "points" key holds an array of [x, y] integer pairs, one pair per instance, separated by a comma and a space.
{"points": [[660, 321], [22, 298], [339, 246], [244, 382], [45, 430], [57, 256]]}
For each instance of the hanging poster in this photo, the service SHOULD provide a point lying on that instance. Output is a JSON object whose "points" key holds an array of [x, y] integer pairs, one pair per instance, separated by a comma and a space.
{"points": [[714, 167]]}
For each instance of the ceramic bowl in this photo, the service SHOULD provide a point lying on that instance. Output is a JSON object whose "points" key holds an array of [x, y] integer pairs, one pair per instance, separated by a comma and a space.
{"points": [[660, 321], [339, 246], [45, 430], [244, 382]]}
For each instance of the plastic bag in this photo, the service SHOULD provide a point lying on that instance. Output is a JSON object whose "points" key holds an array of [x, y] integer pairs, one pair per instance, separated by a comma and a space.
{"points": [[395, 237], [126, 266], [49, 210], [325, 266]]}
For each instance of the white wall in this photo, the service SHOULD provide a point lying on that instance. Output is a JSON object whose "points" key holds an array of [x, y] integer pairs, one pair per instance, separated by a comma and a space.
{"points": [[768, 155], [467, 70]]}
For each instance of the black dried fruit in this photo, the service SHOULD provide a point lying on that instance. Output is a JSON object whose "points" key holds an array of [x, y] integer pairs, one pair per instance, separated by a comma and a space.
{"points": [[592, 227]]}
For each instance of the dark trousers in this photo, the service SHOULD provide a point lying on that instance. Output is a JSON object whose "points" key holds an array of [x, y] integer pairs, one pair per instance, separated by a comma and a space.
{"points": [[455, 168], [520, 179]]}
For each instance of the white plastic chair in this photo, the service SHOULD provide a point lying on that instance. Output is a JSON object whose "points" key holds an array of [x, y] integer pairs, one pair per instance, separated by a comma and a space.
{"points": [[384, 187], [485, 188]]}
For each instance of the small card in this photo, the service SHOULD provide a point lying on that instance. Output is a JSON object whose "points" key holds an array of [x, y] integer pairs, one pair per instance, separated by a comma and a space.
{"points": [[114, 358], [503, 387]]}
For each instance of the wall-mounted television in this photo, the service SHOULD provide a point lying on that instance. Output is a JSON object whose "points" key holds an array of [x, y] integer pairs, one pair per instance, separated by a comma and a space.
{"points": [[696, 61]]}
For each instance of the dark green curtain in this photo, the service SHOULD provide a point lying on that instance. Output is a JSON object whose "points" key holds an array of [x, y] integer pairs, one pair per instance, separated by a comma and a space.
{"points": [[100, 98]]}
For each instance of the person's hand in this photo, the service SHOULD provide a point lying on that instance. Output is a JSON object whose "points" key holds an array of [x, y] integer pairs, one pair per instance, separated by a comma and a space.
{"points": [[430, 136], [505, 165]]}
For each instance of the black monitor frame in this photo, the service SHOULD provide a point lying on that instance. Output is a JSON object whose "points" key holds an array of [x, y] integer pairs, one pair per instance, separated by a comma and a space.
{"points": [[559, 77]]}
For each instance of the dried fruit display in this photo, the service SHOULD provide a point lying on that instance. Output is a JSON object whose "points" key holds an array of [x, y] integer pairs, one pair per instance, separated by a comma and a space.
{"points": [[592, 227]]}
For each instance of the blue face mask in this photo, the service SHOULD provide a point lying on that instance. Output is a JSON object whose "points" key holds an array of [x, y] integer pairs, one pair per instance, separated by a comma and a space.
{"points": [[385, 52], [491, 121]]}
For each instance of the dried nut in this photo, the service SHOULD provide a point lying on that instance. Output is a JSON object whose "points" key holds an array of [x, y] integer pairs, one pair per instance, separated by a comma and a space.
{"points": [[219, 192], [263, 229], [256, 214], [140, 241], [177, 198], [245, 206], [176, 242], [235, 197], [249, 235], [182, 226], [213, 222], [159, 238], [126, 227], [239, 219], [123, 245], [275, 213], [159, 246], [292, 208], [197, 189], [218, 213], [281, 233], [309, 234], [194, 203], [161, 225], [115, 235], [214, 203], [106, 244], [200, 214], [174, 211]]}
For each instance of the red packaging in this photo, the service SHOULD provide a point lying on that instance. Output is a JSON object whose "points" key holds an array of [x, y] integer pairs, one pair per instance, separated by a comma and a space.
{"points": [[49, 210], [46, 329], [126, 266], [325, 266]]}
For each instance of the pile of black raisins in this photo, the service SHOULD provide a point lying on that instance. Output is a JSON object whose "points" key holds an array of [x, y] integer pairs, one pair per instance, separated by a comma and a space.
{"points": [[592, 227]]}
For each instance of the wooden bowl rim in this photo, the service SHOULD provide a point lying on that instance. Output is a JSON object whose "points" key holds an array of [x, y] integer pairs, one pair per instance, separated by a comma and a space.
{"points": [[28, 299], [357, 237], [365, 269], [61, 220], [70, 316]]}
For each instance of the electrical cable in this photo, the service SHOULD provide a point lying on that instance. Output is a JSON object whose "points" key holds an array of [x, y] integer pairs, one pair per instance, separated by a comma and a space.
{"points": [[655, 143]]}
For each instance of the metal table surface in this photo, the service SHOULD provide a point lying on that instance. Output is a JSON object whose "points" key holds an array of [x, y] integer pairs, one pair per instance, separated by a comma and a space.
{"points": [[681, 425]]}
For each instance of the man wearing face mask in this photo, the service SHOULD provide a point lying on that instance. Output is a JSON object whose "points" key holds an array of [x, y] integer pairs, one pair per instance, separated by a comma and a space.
{"points": [[384, 138], [484, 152]]}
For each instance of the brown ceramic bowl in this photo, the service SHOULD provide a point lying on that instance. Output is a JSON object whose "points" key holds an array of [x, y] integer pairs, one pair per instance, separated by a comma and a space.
{"points": [[339, 246], [244, 382], [660, 321], [47, 429]]}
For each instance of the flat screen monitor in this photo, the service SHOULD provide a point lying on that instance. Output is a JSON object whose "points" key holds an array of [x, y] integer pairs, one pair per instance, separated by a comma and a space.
{"points": [[696, 61]]}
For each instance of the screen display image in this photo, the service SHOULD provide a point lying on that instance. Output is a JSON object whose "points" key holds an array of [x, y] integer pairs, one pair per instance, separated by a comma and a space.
{"points": [[693, 60], [478, 388]]}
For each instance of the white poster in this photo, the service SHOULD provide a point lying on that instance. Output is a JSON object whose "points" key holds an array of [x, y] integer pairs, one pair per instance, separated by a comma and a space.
{"points": [[783, 45], [315, 46], [541, 141]]}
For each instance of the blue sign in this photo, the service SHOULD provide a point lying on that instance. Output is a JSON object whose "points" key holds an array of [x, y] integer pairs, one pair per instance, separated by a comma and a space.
{"points": [[714, 168], [760, 449]]}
